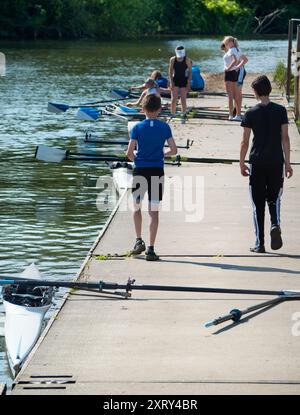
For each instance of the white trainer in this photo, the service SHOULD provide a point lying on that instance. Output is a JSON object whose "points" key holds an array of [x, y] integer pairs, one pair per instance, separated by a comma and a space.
{"points": [[237, 118]]}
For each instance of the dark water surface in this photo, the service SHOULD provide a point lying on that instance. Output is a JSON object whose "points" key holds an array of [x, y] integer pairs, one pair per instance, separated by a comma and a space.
{"points": [[48, 212]]}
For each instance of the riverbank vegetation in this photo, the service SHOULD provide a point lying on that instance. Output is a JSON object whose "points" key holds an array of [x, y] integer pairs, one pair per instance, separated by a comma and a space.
{"points": [[119, 19]]}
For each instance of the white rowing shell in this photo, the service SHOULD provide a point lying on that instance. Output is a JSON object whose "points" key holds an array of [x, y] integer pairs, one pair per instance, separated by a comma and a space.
{"points": [[22, 325], [122, 178]]}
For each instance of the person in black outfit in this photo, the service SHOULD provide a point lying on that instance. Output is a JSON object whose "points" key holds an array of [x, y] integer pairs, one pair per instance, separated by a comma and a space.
{"points": [[180, 75], [269, 160]]}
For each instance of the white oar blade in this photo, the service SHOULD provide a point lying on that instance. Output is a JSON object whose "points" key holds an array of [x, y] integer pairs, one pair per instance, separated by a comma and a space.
{"points": [[87, 114], [123, 110], [49, 154], [57, 108]]}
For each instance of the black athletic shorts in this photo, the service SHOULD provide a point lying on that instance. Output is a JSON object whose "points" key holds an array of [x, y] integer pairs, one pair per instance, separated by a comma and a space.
{"points": [[180, 83], [148, 179], [232, 76]]}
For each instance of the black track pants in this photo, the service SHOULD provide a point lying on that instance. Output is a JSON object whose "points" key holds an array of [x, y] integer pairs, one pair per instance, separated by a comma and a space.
{"points": [[266, 185]]}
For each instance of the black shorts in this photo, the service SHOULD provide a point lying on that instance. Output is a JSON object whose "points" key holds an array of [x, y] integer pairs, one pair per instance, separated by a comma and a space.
{"points": [[180, 83], [148, 179], [232, 76]]}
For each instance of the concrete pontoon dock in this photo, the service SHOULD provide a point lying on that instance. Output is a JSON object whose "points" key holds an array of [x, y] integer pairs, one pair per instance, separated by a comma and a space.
{"points": [[155, 342]]}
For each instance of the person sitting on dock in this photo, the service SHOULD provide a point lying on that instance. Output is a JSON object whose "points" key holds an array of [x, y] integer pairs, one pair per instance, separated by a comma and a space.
{"points": [[270, 153], [161, 81], [146, 149], [149, 87]]}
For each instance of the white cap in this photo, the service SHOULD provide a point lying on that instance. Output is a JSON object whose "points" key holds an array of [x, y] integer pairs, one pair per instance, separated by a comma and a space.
{"points": [[180, 53]]}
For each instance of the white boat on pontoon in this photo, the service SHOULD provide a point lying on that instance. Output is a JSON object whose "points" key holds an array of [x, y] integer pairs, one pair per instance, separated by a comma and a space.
{"points": [[122, 176], [25, 308]]}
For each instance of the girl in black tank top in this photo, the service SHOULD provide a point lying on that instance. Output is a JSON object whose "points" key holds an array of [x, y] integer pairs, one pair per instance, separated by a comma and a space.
{"points": [[180, 75]]}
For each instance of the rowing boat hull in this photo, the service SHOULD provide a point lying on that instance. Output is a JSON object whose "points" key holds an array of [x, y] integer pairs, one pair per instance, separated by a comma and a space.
{"points": [[122, 178], [23, 322], [22, 329]]}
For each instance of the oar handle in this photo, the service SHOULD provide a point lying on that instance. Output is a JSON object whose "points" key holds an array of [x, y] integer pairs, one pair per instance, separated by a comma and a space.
{"points": [[236, 314]]}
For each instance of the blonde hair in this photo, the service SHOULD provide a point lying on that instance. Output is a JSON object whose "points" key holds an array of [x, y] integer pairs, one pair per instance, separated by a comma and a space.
{"points": [[155, 75], [231, 39]]}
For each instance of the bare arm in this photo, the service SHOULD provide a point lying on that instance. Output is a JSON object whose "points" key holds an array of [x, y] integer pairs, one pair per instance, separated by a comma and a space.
{"points": [[286, 150], [137, 87], [190, 65], [171, 68], [233, 62], [172, 151], [138, 102], [130, 150], [244, 150], [242, 62]]}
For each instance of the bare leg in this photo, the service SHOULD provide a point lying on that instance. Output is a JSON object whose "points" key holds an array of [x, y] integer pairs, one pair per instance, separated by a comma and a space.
{"points": [[230, 92], [154, 221], [183, 95], [174, 97], [237, 98], [137, 218]]}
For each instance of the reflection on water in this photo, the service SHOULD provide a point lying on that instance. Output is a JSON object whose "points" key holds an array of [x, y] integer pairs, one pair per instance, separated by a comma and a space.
{"points": [[48, 212]]}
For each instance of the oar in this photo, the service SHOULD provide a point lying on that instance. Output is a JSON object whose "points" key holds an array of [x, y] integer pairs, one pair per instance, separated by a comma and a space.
{"points": [[59, 108], [93, 114], [121, 94], [179, 159], [236, 314], [56, 155], [210, 115], [132, 286], [89, 139], [50, 154], [222, 94]]}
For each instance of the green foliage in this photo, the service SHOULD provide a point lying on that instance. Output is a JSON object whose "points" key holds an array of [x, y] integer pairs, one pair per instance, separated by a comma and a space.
{"points": [[122, 19], [280, 77]]}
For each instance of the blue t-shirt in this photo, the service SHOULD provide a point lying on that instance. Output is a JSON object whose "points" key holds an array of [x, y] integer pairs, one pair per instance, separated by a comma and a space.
{"points": [[151, 136]]}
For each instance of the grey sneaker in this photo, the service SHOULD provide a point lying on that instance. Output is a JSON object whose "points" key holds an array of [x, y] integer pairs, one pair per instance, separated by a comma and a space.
{"points": [[139, 247], [151, 255]]}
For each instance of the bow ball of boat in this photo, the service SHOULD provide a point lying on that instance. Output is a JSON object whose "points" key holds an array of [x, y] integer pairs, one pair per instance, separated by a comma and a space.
{"points": [[25, 308]]}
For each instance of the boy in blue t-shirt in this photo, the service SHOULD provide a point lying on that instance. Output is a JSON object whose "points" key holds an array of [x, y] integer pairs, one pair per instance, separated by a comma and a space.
{"points": [[146, 149]]}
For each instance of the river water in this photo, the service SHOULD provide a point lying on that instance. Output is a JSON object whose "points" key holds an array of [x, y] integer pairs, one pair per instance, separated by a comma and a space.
{"points": [[48, 212]]}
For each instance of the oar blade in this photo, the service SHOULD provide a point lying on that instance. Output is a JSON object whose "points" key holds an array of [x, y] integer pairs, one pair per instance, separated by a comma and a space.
{"points": [[88, 114], [49, 154], [123, 110], [119, 93], [57, 108]]}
